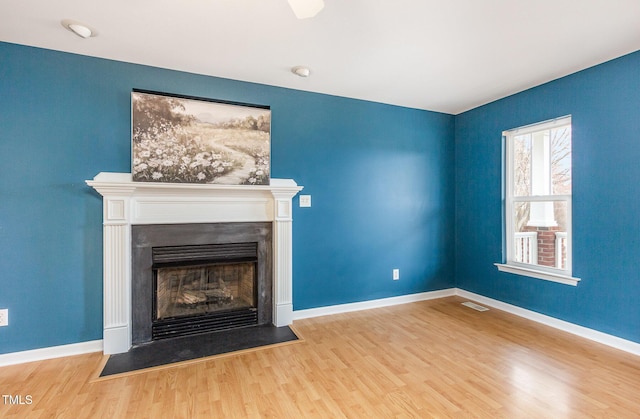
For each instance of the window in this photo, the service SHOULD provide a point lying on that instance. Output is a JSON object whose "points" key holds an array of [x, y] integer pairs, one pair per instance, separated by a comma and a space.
{"points": [[538, 201]]}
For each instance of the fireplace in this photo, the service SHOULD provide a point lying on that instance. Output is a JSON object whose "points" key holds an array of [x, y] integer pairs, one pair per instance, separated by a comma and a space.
{"points": [[204, 288], [198, 278], [129, 207]]}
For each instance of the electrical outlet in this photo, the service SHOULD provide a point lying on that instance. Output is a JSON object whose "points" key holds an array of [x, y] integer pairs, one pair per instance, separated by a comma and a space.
{"points": [[396, 274], [4, 317]]}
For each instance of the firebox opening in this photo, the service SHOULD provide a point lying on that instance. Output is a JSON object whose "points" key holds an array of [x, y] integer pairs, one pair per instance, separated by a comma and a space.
{"points": [[204, 288]]}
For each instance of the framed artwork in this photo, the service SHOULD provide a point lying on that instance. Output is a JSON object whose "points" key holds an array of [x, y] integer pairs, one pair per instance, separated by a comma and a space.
{"points": [[192, 140]]}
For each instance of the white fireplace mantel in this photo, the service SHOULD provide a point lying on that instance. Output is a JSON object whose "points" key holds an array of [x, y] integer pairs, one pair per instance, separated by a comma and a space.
{"points": [[127, 203]]}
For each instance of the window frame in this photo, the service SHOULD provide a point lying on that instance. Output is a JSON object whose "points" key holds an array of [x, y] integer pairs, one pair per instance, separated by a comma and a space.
{"points": [[509, 264]]}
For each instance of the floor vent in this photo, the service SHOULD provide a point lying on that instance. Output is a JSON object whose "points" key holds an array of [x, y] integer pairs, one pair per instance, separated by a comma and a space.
{"points": [[474, 306]]}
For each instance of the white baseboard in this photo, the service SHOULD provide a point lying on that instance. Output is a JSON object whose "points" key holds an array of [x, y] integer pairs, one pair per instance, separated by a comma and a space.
{"points": [[50, 353], [594, 335], [365, 305], [97, 345]]}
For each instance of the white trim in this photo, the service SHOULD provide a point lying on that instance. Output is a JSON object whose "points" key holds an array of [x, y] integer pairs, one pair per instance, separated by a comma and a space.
{"points": [[584, 332], [540, 126], [366, 305], [535, 273], [50, 353], [542, 198]]}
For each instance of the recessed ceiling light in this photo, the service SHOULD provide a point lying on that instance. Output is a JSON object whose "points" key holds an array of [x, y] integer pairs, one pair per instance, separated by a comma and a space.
{"points": [[301, 71], [80, 29]]}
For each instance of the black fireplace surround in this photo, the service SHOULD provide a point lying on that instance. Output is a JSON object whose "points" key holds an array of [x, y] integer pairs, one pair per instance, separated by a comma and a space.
{"points": [[205, 246]]}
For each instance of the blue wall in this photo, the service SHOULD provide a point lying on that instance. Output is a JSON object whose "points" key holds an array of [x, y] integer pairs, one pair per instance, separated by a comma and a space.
{"points": [[604, 102], [381, 178], [392, 188]]}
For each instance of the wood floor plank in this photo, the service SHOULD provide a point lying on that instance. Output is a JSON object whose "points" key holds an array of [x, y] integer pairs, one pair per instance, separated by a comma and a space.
{"points": [[426, 359]]}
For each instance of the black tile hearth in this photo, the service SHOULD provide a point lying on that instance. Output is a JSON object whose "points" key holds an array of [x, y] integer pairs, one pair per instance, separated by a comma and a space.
{"points": [[168, 351]]}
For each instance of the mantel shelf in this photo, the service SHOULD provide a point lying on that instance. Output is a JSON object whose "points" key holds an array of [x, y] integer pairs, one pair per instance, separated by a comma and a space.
{"points": [[110, 182]]}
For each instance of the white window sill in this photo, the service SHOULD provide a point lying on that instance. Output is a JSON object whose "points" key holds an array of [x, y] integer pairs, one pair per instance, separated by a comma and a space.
{"points": [[534, 273]]}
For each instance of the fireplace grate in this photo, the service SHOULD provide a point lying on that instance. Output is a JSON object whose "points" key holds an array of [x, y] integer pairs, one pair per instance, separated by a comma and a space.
{"points": [[176, 327]]}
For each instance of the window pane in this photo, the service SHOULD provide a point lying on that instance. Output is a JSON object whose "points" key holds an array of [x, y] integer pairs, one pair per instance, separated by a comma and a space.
{"points": [[561, 160], [540, 233], [522, 165], [560, 209]]}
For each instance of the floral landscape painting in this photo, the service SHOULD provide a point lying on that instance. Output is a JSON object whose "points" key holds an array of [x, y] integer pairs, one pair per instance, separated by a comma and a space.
{"points": [[184, 140]]}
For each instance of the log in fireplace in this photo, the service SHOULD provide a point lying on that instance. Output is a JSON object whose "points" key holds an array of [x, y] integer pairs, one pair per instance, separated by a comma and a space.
{"points": [[198, 278]]}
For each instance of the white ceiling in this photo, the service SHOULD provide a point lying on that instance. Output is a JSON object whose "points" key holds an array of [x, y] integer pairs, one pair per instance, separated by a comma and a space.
{"points": [[440, 55]]}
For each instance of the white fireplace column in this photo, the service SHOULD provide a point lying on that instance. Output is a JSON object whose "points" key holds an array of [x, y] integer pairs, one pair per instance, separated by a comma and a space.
{"points": [[282, 258], [126, 203]]}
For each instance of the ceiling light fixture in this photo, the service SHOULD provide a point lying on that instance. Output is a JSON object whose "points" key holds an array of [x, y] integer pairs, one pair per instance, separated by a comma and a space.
{"points": [[301, 71], [306, 8], [80, 29]]}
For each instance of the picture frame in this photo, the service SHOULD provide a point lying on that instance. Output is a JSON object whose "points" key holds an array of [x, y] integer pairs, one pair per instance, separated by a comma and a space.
{"points": [[183, 139]]}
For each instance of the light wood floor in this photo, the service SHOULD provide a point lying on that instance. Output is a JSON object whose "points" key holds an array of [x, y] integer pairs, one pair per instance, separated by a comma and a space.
{"points": [[428, 359]]}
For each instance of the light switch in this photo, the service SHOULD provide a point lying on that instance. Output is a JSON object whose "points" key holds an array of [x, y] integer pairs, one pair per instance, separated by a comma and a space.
{"points": [[305, 201]]}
